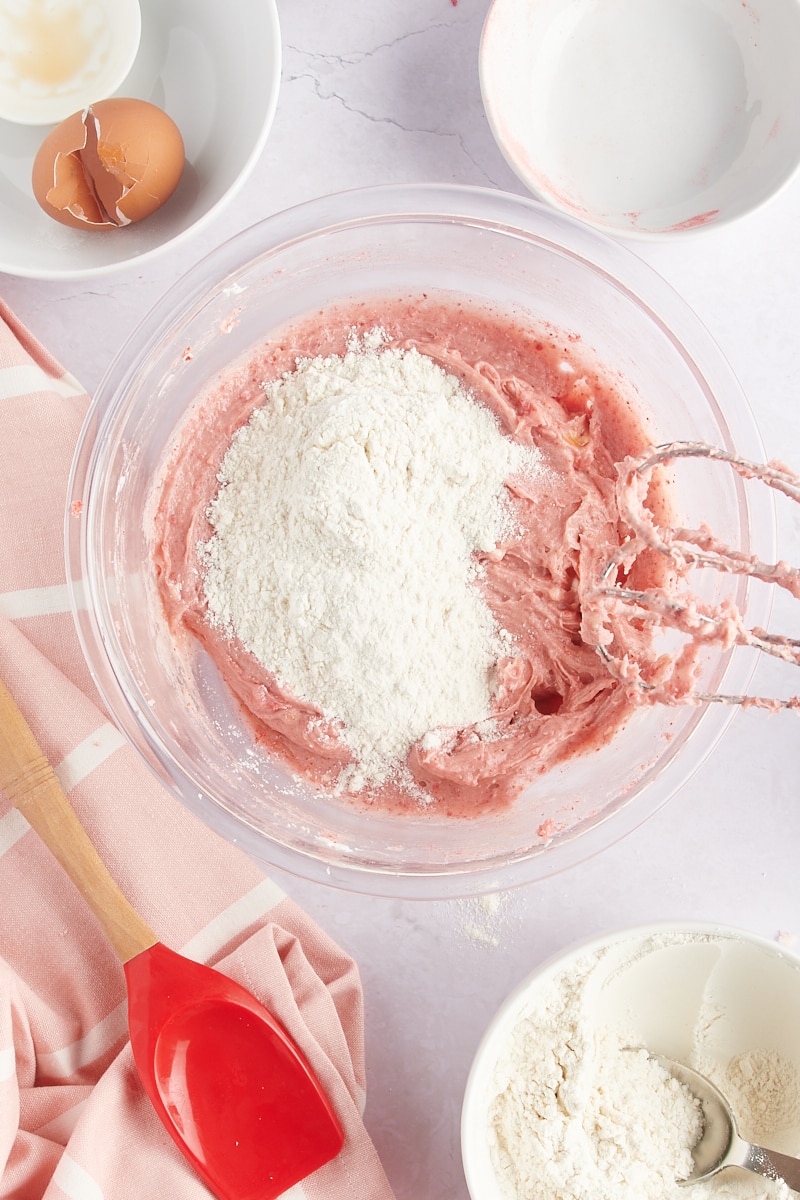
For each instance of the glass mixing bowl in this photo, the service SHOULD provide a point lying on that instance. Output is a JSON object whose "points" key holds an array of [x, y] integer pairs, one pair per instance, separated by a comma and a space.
{"points": [[495, 248]]}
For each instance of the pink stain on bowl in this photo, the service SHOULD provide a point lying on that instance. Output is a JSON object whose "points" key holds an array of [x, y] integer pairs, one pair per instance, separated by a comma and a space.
{"points": [[704, 218]]}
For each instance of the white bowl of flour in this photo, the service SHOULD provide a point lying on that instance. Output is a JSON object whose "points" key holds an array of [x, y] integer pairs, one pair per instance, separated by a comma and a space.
{"points": [[558, 1107]]}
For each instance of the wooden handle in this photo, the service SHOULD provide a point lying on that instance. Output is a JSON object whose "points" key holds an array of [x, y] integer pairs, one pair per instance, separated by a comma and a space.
{"points": [[31, 785]]}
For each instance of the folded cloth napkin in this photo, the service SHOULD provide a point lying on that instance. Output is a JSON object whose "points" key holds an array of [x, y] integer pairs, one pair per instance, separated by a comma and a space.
{"points": [[74, 1120]]}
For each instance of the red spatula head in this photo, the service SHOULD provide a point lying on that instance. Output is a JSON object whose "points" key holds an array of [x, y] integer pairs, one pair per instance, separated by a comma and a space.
{"points": [[234, 1092], [232, 1089]]}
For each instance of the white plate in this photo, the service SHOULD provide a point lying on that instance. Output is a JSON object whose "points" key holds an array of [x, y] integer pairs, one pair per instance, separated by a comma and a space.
{"points": [[647, 118], [215, 68]]}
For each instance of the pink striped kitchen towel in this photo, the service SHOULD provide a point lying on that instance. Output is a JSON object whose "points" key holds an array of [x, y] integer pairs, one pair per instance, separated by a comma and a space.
{"points": [[74, 1120]]}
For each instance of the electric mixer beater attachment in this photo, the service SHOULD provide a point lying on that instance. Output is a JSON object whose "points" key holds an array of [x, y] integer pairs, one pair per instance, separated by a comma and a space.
{"points": [[608, 601]]}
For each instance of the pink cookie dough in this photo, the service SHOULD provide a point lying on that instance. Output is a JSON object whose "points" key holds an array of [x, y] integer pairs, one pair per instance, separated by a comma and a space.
{"points": [[555, 697]]}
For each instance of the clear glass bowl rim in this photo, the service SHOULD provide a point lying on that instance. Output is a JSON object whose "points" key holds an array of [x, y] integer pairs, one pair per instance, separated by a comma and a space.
{"points": [[510, 213]]}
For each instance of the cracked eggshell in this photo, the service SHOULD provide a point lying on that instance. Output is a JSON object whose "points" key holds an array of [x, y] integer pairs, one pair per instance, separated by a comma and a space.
{"points": [[110, 164]]}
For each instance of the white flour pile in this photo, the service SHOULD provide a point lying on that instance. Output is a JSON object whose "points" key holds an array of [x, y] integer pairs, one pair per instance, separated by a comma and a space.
{"points": [[350, 510], [761, 1083], [579, 1116]]}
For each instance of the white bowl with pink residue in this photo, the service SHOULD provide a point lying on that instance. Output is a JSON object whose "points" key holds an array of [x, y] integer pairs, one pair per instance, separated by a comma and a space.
{"points": [[646, 118], [501, 249]]}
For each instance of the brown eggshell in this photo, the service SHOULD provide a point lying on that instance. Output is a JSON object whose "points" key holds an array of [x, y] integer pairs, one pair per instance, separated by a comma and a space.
{"points": [[109, 165]]}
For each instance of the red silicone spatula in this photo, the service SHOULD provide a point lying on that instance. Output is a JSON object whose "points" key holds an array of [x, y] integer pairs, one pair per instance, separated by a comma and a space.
{"points": [[232, 1089]]}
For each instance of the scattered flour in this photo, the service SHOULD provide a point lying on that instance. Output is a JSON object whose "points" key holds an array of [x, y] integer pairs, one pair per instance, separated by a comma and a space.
{"points": [[343, 556], [579, 1115], [482, 919]]}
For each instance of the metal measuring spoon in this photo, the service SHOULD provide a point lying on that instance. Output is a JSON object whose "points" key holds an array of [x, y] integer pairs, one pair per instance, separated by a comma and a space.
{"points": [[720, 1145]]}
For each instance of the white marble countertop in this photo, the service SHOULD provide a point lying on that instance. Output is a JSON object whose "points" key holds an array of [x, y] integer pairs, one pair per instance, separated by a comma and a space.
{"points": [[389, 92]]}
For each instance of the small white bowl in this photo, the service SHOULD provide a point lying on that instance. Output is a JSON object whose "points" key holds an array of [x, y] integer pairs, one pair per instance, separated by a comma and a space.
{"points": [[699, 994], [215, 69], [56, 58], [646, 118]]}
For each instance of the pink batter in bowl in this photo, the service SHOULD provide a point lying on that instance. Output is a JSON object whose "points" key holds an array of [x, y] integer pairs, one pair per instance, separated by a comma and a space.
{"points": [[494, 249]]}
